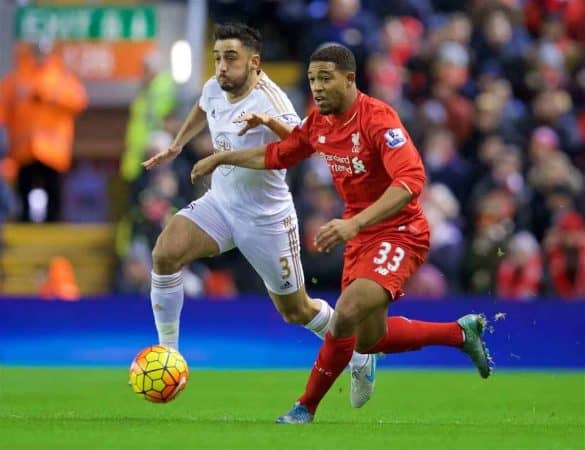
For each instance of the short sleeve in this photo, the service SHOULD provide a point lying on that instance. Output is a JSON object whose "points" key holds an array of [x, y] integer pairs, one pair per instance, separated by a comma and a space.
{"points": [[288, 152], [204, 99], [398, 153]]}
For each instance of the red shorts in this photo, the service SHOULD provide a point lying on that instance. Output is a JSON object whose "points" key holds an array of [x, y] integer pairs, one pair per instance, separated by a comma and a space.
{"points": [[388, 259]]}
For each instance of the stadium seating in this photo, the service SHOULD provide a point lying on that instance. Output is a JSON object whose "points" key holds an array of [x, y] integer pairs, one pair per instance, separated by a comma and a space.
{"points": [[29, 248]]}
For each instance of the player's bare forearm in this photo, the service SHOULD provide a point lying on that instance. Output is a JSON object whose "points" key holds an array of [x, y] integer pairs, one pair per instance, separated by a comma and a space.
{"points": [[389, 204], [279, 128], [193, 124], [337, 231], [251, 159], [252, 120]]}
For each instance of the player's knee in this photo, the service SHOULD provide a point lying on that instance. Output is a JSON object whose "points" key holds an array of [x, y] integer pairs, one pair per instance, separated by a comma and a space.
{"points": [[344, 318], [164, 261]]}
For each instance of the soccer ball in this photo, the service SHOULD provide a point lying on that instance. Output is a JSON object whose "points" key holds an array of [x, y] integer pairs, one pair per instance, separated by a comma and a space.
{"points": [[158, 373]]}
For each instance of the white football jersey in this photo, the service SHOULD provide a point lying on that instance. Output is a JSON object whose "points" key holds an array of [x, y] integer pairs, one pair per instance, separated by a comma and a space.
{"points": [[261, 196]]}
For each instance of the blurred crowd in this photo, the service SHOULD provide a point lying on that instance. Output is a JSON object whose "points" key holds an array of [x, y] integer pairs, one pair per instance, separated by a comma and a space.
{"points": [[491, 91]]}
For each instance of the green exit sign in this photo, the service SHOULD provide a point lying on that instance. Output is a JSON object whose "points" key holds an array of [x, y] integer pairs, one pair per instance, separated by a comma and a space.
{"points": [[86, 23]]}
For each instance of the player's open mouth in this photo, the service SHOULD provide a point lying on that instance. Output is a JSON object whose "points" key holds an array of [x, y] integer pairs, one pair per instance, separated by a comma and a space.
{"points": [[319, 100]]}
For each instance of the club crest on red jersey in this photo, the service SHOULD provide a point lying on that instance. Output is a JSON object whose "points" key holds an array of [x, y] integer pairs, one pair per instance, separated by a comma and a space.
{"points": [[355, 140]]}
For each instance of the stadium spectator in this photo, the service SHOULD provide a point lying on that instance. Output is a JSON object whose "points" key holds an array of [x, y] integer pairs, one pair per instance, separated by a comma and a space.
{"points": [[444, 164], [60, 282], [40, 99], [447, 243], [347, 23], [506, 173], [500, 41], [565, 256], [427, 283], [554, 108], [493, 225], [520, 272], [400, 38], [155, 101]]}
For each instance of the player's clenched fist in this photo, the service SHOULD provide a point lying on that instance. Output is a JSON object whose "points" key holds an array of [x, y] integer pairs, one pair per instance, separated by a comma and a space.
{"points": [[160, 158], [204, 167], [335, 232]]}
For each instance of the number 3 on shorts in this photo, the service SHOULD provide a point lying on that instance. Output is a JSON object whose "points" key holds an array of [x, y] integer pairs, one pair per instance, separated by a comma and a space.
{"points": [[285, 268], [395, 259]]}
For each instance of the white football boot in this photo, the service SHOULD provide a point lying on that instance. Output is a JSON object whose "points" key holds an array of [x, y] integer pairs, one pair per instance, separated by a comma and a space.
{"points": [[363, 379]]}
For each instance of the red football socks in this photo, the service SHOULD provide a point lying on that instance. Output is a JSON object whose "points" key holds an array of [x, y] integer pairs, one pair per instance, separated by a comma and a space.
{"points": [[405, 335], [335, 354]]}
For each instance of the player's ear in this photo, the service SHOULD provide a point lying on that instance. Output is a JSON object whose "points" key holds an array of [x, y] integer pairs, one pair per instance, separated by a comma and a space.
{"points": [[350, 77], [255, 62]]}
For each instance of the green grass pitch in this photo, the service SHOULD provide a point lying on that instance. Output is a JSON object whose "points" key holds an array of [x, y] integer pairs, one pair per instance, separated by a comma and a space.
{"points": [[42, 409]]}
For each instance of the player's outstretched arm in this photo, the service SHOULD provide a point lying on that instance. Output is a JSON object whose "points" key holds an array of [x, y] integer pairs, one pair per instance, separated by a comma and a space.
{"points": [[254, 120], [252, 159], [192, 125], [338, 230]]}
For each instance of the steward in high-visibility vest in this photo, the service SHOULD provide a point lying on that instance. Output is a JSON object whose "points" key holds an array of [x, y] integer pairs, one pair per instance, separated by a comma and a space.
{"points": [[39, 100]]}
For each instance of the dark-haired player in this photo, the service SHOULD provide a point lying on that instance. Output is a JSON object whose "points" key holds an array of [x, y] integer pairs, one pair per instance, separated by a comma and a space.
{"points": [[379, 175], [248, 209]]}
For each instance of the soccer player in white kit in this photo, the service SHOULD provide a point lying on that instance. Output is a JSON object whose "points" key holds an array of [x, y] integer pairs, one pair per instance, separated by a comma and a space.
{"points": [[248, 209]]}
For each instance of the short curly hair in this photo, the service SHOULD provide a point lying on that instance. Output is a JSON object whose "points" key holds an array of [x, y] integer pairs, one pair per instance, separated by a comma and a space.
{"points": [[248, 36], [335, 53]]}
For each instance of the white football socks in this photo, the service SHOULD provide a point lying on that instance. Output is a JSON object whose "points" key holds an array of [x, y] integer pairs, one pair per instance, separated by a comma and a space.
{"points": [[166, 297], [320, 324]]}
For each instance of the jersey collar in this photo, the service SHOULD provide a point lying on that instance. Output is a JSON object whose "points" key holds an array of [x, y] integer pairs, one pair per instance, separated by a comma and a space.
{"points": [[348, 115]]}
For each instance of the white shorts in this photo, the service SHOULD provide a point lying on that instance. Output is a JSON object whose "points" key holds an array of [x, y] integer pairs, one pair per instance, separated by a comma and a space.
{"points": [[272, 250]]}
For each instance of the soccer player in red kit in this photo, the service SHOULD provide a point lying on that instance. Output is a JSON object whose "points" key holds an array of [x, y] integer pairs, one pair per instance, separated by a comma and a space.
{"points": [[379, 175]]}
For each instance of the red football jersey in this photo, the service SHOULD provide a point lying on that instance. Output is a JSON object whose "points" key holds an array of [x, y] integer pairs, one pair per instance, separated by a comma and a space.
{"points": [[367, 150]]}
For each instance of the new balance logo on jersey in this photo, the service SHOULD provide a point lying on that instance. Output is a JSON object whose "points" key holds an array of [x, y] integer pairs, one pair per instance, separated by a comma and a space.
{"points": [[321, 139], [358, 165], [394, 138]]}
